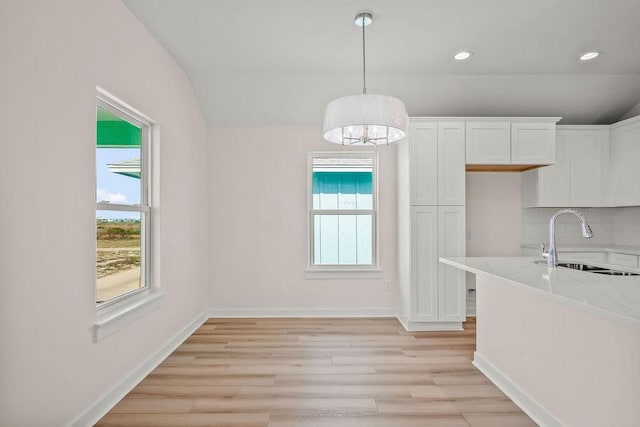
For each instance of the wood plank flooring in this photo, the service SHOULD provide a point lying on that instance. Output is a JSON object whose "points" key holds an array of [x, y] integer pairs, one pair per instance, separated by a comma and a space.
{"points": [[318, 372]]}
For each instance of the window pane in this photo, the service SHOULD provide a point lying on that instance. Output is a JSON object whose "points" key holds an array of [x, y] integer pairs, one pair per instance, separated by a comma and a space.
{"points": [[118, 248], [118, 154], [342, 183], [343, 240], [326, 236], [364, 240]]}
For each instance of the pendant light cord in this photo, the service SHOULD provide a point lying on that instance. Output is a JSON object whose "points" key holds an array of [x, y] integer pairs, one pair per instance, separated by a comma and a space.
{"points": [[364, 61]]}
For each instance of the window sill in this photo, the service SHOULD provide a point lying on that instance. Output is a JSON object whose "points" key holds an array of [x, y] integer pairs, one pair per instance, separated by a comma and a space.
{"points": [[342, 273], [112, 319]]}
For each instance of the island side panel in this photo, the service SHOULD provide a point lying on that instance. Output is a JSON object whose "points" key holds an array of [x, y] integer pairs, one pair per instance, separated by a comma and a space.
{"points": [[582, 369]]}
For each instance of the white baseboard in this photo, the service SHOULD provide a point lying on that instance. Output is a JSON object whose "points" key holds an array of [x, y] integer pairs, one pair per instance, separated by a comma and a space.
{"points": [[103, 405], [303, 312], [530, 406], [404, 322], [413, 326]]}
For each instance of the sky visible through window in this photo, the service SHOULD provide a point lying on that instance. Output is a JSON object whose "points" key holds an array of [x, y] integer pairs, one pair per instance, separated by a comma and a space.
{"points": [[112, 187]]}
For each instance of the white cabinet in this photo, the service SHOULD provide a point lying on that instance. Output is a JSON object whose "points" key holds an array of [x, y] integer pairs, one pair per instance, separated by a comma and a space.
{"points": [[423, 161], [515, 142], [579, 178], [595, 166], [451, 163], [533, 143], [488, 143], [437, 290], [625, 163], [436, 161], [451, 281], [431, 198], [424, 264], [549, 186], [587, 150]]}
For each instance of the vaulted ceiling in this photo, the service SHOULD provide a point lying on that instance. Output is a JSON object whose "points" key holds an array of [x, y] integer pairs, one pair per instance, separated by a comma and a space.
{"points": [[278, 62]]}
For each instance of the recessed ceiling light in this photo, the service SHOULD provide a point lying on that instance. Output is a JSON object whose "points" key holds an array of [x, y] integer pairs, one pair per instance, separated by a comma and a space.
{"points": [[589, 56], [461, 56]]}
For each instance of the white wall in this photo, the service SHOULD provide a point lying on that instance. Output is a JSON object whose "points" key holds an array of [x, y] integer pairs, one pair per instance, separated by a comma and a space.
{"points": [[53, 55], [258, 200], [626, 230], [493, 212]]}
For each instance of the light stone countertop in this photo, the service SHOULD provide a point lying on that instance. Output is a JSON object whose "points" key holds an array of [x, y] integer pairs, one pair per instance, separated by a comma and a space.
{"points": [[614, 297]]}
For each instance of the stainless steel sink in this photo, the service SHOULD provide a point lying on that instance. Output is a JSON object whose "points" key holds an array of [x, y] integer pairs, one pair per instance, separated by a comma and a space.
{"points": [[577, 266], [591, 268], [614, 272]]}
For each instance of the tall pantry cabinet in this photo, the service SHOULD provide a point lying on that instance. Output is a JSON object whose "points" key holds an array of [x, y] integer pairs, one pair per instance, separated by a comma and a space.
{"points": [[431, 224]]}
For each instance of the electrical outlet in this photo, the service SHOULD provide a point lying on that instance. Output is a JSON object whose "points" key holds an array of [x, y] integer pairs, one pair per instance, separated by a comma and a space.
{"points": [[468, 235], [387, 285]]}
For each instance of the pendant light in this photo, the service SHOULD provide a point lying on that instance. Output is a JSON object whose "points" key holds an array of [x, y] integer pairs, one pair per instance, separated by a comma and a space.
{"points": [[365, 119]]}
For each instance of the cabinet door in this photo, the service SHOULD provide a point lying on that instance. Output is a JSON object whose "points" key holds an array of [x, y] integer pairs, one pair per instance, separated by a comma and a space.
{"points": [[554, 186], [625, 170], [533, 143], [423, 153], [488, 143], [451, 281], [424, 263], [585, 158], [451, 154]]}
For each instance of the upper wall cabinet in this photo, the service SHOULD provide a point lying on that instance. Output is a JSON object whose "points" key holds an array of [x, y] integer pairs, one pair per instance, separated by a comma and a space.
{"points": [[529, 142], [588, 154], [533, 143], [578, 178], [488, 143], [625, 163]]}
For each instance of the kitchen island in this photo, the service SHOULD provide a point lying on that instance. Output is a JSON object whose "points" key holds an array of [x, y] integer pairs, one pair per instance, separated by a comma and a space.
{"points": [[562, 344]]}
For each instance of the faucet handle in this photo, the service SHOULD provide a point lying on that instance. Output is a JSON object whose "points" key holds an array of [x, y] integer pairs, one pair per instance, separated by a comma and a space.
{"points": [[545, 254]]}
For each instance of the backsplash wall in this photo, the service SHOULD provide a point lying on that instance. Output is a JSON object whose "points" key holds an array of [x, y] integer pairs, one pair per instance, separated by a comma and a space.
{"points": [[619, 226], [626, 229]]}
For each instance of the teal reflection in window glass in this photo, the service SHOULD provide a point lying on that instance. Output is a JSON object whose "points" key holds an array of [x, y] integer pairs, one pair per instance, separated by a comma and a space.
{"points": [[343, 190]]}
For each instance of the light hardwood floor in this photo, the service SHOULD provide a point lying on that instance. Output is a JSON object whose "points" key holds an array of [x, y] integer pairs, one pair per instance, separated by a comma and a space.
{"points": [[318, 372]]}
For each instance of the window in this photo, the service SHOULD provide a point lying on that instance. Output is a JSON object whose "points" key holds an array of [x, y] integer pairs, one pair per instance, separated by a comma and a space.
{"points": [[342, 211], [123, 142]]}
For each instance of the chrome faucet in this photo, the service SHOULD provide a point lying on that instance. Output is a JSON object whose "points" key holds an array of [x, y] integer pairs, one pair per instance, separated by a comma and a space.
{"points": [[551, 255]]}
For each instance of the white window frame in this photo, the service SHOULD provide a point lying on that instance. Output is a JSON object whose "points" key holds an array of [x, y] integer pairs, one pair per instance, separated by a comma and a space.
{"points": [[118, 312], [340, 271]]}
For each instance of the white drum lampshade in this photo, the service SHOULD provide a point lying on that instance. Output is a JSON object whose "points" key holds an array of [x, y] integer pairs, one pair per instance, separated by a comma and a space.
{"points": [[365, 120]]}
